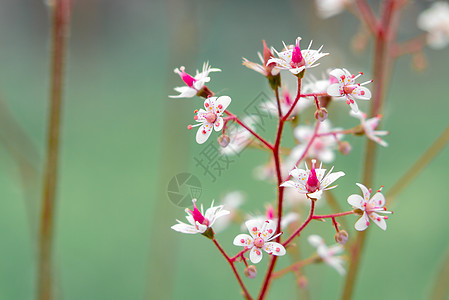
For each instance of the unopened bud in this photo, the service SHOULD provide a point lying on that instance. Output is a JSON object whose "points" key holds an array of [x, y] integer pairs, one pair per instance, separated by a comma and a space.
{"points": [[344, 148], [250, 271], [223, 140], [341, 237], [321, 114]]}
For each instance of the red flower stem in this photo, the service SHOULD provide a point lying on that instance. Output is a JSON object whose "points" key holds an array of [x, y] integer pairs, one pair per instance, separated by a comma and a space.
{"points": [[231, 263], [335, 224], [277, 162], [240, 254], [315, 135], [306, 222], [317, 103], [368, 16], [269, 146], [278, 101], [60, 10], [413, 45], [333, 215], [314, 95], [296, 266]]}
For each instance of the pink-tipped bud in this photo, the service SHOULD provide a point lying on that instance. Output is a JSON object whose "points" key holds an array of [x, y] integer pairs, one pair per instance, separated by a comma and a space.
{"points": [[341, 237], [187, 78], [197, 215], [321, 114], [302, 282], [250, 271], [297, 59], [313, 184], [344, 148], [223, 140]]}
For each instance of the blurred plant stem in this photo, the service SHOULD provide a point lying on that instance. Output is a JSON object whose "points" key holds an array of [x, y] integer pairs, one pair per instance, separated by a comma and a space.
{"points": [[384, 35], [418, 166], [183, 44], [60, 15], [23, 151], [441, 288]]}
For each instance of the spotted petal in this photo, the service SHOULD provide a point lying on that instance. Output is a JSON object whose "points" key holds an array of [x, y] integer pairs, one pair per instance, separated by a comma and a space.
{"points": [[365, 191], [361, 93], [378, 199], [330, 178], [362, 223], [356, 201], [218, 124], [380, 221], [334, 90], [254, 227], [274, 248], [221, 104], [244, 240], [255, 255]]}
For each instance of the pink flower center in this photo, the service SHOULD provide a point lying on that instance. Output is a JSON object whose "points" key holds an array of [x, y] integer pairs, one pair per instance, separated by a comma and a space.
{"points": [[210, 117], [297, 59], [198, 216], [313, 184], [349, 89], [259, 242], [187, 78]]}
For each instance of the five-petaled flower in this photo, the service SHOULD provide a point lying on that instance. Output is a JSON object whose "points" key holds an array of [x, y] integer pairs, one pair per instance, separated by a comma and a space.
{"points": [[344, 85], [194, 84], [200, 221], [210, 118], [369, 208], [312, 182], [296, 60], [328, 254], [369, 127], [261, 234]]}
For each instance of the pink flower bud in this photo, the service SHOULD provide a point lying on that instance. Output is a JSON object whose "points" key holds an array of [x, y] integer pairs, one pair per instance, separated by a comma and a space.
{"points": [[297, 59], [187, 78], [344, 148], [223, 140], [302, 282], [341, 237], [321, 114], [250, 271]]}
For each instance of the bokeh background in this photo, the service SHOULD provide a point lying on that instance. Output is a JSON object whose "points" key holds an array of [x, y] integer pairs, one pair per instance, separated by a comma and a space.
{"points": [[123, 139]]}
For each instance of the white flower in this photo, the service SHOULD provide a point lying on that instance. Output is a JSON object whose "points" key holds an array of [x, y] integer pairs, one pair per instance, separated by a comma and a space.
{"points": [[211, 117], [330, 8], [345, 85], [200, 221], [239, 137], [261, 235], [296, 60], [370, 208], [231, 201], [286, 102], [312, 182], [328, 254], [369, 127], [193, 84], [322, 147], [435, 21]]}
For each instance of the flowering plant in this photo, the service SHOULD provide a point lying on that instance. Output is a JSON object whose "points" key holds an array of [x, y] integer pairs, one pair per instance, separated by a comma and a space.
{"points": [[271, 233]]}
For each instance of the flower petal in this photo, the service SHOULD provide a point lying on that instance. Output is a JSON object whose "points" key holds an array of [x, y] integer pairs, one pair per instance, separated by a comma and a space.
{"points": [[315, 240], [269, 228], [221, 104], [244, 240], [365, 191], [362, 93], [378, 199], [254, 227], [203, 133], [380, 221], [274, 248], [218, 124], [356, 201], [184, 228], [255, 255], [362, 223], [300, 174], [330, 178], [334, 90]]}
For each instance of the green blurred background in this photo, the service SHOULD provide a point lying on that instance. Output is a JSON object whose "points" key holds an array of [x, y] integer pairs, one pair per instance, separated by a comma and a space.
{"points": [[123, 139]]}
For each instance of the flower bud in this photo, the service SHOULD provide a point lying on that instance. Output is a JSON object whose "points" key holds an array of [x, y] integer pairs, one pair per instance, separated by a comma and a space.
{"points": [[321, 114], [223, 140], [344, 148], [341, 237], [302, 282], [250, 271]]}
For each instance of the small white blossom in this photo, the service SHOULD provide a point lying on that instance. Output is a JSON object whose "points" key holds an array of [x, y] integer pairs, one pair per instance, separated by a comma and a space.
{"points": [[193, 84], [328, 254], [369, 127], [210, 118], [239, 136], [296, 60], [330, 8], [345, 85], [286, 101], [261, 234], [370, 208], [435, 21], [322, 147], [312, 182], [199, 221]]}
